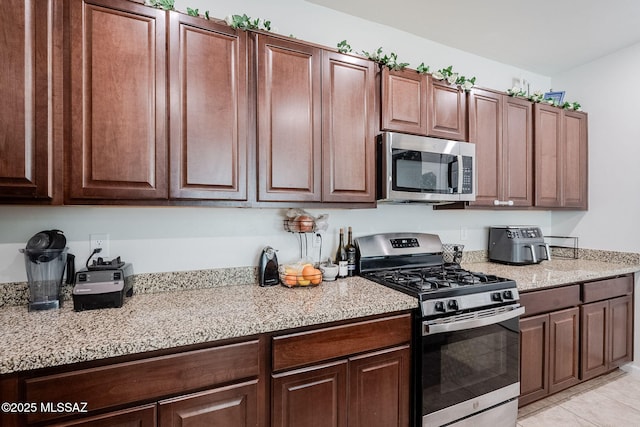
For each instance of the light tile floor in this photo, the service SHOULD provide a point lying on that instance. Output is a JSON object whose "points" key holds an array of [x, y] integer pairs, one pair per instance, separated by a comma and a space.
{"points": [[612, 400]]}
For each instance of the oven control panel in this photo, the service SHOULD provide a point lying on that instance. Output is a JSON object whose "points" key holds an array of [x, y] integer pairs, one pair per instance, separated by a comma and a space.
{"points": [[477, 301], [404, 243]]}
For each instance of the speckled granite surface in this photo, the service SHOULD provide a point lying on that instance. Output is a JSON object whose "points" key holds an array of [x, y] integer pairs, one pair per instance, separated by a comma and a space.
{"points": [[182, 308], [154, 321], [554, 272]]}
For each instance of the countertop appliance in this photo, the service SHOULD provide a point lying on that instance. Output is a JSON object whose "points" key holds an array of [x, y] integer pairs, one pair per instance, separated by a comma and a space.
{"points": [[517, 245], [268, 268], [103, 285], [466, 331], [414, 168], [46, 258]]}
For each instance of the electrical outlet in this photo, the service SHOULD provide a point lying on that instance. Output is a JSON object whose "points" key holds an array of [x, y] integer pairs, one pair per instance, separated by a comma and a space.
{"points": [[317, 240], [100, 241], [463, 233]]}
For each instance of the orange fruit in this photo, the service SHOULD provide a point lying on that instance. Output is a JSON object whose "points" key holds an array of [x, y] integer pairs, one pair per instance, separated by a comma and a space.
{"points": [[290, 279], [317, 277], [308, 272]]}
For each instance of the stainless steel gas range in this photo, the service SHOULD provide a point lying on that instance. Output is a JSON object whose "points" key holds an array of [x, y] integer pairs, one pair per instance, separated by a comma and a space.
{"points": [[466, 332]]}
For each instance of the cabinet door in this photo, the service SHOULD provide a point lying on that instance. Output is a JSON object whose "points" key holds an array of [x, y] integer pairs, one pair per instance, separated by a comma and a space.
{"points": [[517, 156], [208, 92], [348, 140], [404, 101], [485, 131], [594, 319], [548, 161], [141, 416], [31, 100], [118, 145], [564, 349], [233, 405], [314, 396], [534, 358], [447, 110], [289, 120], [379, 386], [621, 332], [574, 182]]}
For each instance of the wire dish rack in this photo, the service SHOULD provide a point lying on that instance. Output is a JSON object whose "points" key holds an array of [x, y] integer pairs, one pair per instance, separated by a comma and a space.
{"points": [[563, 246]]}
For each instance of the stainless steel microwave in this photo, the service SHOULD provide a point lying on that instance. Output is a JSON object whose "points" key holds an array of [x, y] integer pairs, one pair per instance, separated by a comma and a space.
{"points": [[414, 168]]}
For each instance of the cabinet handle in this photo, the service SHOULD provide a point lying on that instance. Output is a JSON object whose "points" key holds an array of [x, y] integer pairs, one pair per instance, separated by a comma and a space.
{"points": [[503, 203]]}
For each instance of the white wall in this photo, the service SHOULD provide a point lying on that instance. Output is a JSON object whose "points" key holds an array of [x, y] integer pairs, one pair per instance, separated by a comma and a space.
{"points": [[608, 91], [185, 238]]}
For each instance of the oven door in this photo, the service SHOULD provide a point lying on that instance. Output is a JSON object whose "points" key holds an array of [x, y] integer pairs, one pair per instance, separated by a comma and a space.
{"points": [[469, 364]]}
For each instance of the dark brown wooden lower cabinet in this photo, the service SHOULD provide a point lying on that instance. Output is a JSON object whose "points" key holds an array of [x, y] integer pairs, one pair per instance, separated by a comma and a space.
{"points": [[564, 349], [234, 405], [549, 350], [369, 390], [140, 416], [379, 389], [314, 396], [606, 335]]}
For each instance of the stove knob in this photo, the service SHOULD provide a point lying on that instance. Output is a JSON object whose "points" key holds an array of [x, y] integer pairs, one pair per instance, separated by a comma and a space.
{"points": [[507, 295], [496, 296], [439, 306], [452, 304]]}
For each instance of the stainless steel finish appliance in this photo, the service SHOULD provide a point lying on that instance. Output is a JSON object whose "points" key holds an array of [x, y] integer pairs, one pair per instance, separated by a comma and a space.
{"points": [[414, 168], [465, 335], [517, 244]]}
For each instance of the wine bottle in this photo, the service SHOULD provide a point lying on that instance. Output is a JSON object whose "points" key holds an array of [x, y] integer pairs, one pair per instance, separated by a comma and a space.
{"points": [[351, 255], [341, 256]]}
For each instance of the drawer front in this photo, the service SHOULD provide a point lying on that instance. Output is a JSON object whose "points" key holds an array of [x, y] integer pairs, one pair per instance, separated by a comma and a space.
{"points": [[305, 348], [546, 300], [147, 379], [605, 289]]}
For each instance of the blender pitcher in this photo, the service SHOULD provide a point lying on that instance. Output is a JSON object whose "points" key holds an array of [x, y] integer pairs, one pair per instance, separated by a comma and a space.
{"points": [[46, 258]]}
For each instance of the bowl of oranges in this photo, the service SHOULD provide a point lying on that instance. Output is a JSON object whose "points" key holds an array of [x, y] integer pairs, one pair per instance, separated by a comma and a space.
{"points": [[300, 274]]}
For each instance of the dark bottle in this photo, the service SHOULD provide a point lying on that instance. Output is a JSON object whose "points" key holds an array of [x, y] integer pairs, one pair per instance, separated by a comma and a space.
{"points": [[351, 255], [341, 256]]}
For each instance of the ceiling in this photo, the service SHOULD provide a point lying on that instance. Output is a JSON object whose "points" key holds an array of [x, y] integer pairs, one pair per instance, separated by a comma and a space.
{"points": [[543, 36]]}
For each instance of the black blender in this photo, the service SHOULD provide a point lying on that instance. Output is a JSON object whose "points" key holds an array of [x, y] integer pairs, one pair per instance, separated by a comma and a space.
{"points": [[46, 257]]}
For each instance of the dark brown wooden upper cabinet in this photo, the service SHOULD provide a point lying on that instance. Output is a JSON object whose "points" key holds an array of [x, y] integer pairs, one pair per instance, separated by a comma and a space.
{"points": [[404, 101], [118, 141], [349, 120], [502, 129], [446, 110], [31, 128], [419, 104], [208, 109], [289, 120], [560, 158]]}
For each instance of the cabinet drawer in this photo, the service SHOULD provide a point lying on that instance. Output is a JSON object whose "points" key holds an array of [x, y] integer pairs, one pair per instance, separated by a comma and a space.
{"points": [[550, 299], [304, 348], [605, 289], [147, 379]]}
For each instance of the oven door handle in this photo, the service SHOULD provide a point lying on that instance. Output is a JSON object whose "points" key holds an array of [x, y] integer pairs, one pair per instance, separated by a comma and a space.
{"points": [[469, 324]]}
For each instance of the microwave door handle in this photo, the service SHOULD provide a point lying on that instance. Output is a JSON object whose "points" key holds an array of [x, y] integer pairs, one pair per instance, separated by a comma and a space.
{"points": [[469, 324], [460, 173]]}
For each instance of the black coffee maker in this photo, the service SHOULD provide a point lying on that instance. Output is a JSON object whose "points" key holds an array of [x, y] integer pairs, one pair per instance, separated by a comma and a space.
{"points": [[268, 268]]}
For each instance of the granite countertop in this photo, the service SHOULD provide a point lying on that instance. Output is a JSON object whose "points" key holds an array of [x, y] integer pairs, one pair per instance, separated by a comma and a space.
{"points": [[184, 316], [146, 322], [554, 272]]}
